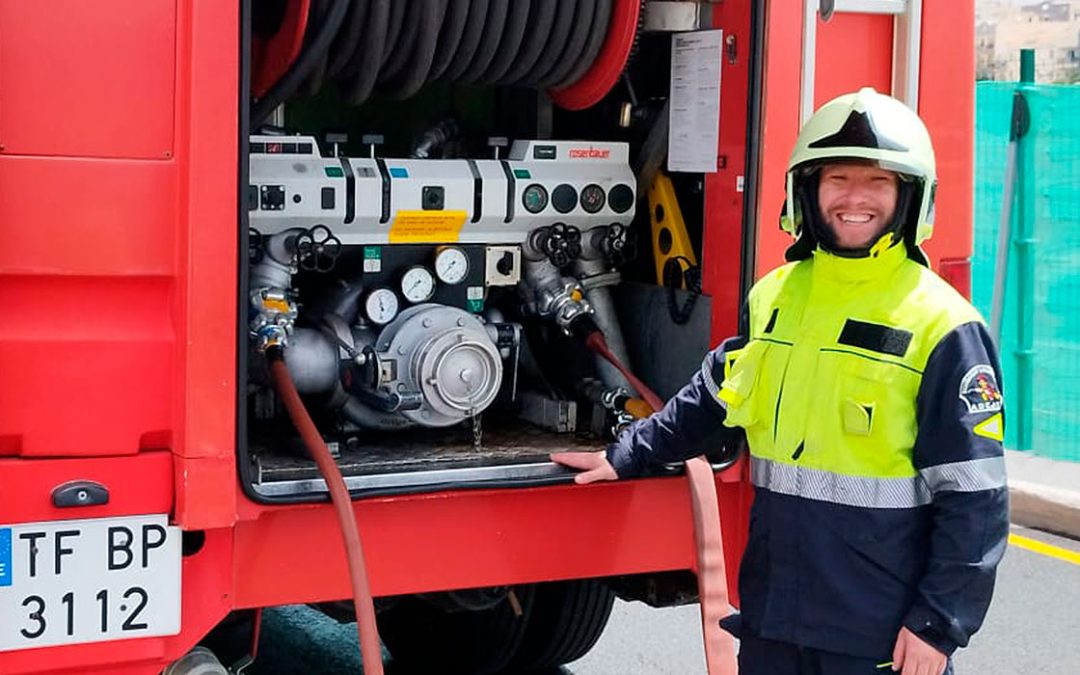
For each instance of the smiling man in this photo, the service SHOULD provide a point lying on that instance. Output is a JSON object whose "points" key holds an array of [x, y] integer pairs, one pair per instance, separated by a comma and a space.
{"points": [[858, 203], [867, 390]]}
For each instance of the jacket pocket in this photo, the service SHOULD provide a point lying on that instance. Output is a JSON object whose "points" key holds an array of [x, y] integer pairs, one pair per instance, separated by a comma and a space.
{"points": [[742, 372], [863, 392], [858, 416]]}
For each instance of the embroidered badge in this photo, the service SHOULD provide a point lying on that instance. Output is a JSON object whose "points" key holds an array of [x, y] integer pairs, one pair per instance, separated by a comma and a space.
{"points": [[979, 390]]}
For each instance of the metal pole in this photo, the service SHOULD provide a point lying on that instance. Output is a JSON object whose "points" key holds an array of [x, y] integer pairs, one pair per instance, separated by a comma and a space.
{"points": [[1025, 263], [1001, 266], [809, 60], [1018, 127]]}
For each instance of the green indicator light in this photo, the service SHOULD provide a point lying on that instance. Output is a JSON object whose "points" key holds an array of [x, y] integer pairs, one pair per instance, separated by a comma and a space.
{"points": [[522, 173], [474, 306], [335, 172]]}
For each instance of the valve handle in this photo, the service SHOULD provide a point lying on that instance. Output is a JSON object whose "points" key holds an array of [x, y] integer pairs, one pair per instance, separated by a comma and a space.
{"points": [[562, 244], [317, 250], [618, 245], [255, 246]]}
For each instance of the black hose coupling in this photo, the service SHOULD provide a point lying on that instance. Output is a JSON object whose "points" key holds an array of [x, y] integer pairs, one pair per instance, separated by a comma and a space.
{"points": [[582, 327]]}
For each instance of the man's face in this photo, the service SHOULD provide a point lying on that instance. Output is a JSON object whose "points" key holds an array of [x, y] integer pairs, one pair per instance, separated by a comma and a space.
{"points": [[857, 202]]}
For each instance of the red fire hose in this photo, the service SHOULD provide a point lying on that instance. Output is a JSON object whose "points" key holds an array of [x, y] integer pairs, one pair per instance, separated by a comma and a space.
{"points": [[370, 649], [712, 585], [712, 582]]}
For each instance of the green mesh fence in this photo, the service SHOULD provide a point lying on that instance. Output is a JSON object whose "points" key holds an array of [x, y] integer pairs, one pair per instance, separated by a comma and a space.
{"points": [[1053, 306]]}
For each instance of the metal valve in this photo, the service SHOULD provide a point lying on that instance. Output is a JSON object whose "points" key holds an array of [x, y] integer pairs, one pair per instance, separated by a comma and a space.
{"points": [[273, 314]]}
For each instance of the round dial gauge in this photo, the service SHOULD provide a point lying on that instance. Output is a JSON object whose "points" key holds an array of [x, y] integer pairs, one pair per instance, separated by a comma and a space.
{"points": [[381, 306], [592, 198], [417, 284], [451, 265], [535, 198]]}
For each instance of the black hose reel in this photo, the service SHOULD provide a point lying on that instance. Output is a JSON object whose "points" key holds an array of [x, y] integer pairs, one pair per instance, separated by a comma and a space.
{"points": [[398, 46]]}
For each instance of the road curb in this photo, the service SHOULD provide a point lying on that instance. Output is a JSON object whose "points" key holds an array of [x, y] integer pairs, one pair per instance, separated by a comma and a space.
{"points": [[1045, 508]]}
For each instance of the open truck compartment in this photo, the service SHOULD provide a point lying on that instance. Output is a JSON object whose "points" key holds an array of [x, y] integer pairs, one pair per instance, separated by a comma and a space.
{"points": [[433, 235]]}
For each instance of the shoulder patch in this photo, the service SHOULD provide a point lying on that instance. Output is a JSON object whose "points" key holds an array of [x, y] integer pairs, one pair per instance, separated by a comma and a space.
{"points": [[979, 390]]}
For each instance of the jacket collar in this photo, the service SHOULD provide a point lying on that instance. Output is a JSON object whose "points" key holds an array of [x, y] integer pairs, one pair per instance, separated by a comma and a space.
{"points": [[879, 264]]}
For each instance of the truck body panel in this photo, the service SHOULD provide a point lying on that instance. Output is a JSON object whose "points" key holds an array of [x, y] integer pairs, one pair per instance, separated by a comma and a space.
{"points": [[120, 124]]}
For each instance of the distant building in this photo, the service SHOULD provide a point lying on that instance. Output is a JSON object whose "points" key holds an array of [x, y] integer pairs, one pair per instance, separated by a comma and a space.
{"points": [[1051, 28], [1048, 11]]}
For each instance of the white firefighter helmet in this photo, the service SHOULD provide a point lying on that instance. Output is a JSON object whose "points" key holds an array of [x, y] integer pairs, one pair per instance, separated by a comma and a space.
{"points": [[862, 127]]}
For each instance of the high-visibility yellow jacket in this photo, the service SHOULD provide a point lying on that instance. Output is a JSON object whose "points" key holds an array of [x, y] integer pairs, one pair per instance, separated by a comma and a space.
{"points": [[868, 392]]}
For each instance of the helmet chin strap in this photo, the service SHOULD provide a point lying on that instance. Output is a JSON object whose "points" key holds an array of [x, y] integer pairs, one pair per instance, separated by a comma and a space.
{"points": [[886, 239]]}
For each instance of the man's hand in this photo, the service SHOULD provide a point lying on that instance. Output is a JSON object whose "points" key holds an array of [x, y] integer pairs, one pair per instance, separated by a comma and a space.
{"points": [[594, 465], [916, 657]]}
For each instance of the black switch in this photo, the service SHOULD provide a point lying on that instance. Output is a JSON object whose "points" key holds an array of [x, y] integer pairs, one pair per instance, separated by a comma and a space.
{"points": [[273, 197], [505, 266], [253, 197], [328, 198], [433, 198]]}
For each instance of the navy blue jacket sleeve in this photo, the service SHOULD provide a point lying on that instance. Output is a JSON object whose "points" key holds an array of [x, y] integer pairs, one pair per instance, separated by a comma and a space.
{"points": [[690, 423], [959, 454]]}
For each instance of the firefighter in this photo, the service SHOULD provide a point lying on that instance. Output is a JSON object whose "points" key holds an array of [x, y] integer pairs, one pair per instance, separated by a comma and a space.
{"points": [[868, 392]]}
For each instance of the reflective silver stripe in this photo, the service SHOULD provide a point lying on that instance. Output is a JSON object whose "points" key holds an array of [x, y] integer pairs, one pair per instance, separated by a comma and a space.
{"points": [[970, 476], [710, 382], [826, 486]]}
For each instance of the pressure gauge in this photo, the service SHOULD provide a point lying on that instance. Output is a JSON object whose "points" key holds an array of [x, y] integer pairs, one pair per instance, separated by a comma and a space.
{"points": [[417, 284], [381, 306], [451, 265], [592, 198], [535, 198]]}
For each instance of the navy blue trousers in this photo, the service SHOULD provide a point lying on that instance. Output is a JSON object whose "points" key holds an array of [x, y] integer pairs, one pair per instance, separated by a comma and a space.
{"points": [[758, 656]]}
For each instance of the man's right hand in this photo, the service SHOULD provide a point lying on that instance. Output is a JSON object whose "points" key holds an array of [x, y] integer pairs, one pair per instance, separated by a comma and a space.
{"points": [[594, 466]]}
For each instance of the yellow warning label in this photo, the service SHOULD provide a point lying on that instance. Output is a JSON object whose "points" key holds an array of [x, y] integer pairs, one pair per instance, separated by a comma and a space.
{"points": [[427, 227], [275, 304], [991, 427]]}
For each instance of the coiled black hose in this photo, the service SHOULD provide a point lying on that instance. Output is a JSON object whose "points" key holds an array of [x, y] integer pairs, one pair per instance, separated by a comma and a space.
{"points": [[412, 74], [541, 18], [358, 77], [303, 66], [399, 45]]}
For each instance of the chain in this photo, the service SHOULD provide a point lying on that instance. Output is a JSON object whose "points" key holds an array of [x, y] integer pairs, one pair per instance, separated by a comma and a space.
{"points": [[477, 432], [477, 424]]}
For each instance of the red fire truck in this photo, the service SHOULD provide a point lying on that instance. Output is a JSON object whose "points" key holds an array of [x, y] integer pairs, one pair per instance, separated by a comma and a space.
{"points": [[188, 187]]}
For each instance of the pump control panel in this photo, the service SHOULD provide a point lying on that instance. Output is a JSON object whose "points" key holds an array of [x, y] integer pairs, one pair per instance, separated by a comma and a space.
{"points": [[389, 201]]}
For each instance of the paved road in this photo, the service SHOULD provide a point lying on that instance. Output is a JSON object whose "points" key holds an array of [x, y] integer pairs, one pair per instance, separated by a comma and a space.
{"points": [[1033, 629]]}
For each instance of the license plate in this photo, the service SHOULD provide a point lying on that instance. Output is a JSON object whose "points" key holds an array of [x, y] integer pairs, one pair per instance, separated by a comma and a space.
{"points": [[71, 581]]}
